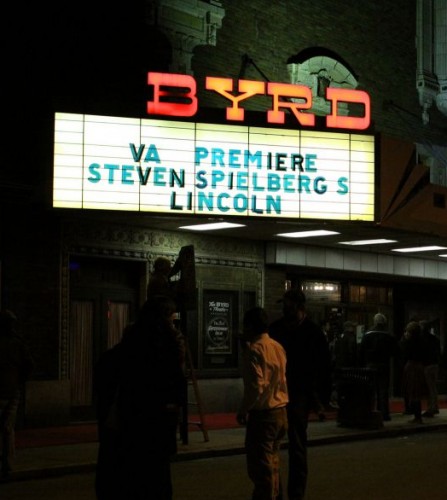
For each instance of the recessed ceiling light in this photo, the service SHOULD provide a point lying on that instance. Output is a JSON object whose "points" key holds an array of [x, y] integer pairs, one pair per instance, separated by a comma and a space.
{"points": [[379, 241], [419, 249], [308, 234], [211, 226], [443, 255]]}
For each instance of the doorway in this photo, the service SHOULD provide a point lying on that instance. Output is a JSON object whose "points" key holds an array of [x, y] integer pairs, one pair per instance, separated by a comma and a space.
{"points": [[104, 297]]}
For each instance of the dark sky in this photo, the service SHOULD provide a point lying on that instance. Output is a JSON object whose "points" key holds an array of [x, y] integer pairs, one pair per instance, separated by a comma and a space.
{"points": [[84, 56]]}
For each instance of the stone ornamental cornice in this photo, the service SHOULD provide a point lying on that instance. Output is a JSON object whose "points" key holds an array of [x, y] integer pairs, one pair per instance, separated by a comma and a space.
{"points": [[187, 24], [133, 242]]}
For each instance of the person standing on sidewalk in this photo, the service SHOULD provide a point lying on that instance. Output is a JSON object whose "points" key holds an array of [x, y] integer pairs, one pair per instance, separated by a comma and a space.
{"points": [[432, 349], [138, 406], [308, 372], [16, 365], [263, 407], [377, 348], [414, 386]]}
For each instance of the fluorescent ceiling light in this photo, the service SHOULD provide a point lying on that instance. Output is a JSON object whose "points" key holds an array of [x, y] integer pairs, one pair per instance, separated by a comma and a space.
{"points": [[419, 249], [443, 255], [308, 234], [212, 225], [379, 241]]}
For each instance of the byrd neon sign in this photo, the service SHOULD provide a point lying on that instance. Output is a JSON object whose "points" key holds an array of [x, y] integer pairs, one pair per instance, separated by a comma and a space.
{"points": [[170, 88]]}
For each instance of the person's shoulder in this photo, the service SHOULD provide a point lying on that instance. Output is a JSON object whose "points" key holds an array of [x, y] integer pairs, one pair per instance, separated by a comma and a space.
{"points": [[275, 343], [433, 338], [268, 338], [110, 357], [276, 327], [277, 322], [310, 325]]}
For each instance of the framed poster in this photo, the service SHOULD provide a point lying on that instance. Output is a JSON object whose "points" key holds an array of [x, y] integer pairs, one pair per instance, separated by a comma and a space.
{"points": [[220, 323]]}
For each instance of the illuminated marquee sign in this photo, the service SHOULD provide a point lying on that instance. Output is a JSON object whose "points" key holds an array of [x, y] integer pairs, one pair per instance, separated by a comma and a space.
{"points": [[170, 88], [154, 165]]}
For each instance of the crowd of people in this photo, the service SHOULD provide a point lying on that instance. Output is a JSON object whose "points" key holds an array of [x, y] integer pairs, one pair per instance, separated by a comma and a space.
{"points": [[417, 352], [289, 370]]}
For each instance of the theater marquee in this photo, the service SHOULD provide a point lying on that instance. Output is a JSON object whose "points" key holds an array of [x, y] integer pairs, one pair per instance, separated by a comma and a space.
{"points": [[150, 165]]}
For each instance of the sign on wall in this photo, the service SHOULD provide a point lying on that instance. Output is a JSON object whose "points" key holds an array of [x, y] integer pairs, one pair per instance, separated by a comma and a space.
{"points": [[153, 165], [218, 321]]}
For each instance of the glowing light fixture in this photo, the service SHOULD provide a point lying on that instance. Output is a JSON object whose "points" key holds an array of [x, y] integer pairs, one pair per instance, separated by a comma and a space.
{"points": [[379, 241], [211, 226], [308, 234], [419, 249]]}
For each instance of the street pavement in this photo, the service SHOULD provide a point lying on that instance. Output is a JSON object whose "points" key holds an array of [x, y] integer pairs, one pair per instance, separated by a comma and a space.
{"points": [[54, 460]]}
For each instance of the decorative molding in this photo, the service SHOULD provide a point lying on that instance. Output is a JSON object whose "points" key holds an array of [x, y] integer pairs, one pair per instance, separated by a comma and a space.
{"points": [[133, 242], [431, 45], [187, 24], [130, 242]]}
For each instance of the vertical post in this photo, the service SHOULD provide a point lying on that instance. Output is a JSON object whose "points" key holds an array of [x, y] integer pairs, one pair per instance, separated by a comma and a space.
{"points": [[184, 410]]}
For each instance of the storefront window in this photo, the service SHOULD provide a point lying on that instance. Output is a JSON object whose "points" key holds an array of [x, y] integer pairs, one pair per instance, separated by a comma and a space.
{"points": [[370, 295], [322, 291]]}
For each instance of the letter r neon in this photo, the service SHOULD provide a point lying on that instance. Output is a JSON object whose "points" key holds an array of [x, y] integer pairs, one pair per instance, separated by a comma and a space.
{"points": [[288, 90]]}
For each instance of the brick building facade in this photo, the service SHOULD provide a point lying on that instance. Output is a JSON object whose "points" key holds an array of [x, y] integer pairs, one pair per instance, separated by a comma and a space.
{"points": [[95, 60]]}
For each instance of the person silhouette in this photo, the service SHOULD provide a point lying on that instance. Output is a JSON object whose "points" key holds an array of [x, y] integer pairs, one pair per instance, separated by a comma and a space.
{"points": [[432, 358], [144, 409], [159, 283], [308, 375], [16, 365], [413, 378], [263, 406], [376, 350]]}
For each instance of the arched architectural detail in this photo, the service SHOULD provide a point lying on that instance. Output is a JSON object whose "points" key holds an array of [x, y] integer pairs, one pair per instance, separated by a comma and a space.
{"points": [[319, 68]]}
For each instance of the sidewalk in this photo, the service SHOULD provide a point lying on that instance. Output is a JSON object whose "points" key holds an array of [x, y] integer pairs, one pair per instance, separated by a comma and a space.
{"points": [[53, 460]]}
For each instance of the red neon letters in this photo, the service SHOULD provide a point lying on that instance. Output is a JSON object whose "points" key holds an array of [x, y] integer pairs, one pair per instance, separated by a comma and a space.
{"points": [[173, 82], [175, 95]]}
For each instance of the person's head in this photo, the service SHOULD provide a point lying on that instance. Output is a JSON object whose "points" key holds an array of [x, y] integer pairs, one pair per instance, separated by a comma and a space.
{"points": [[157, 310], [412, 330], [162, 265], [255, 322], [293, 304], [349, 327], [380, 321]]}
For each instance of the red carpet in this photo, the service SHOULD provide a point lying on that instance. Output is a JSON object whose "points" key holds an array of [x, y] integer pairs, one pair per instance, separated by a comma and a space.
{"points": [[87, 433]]}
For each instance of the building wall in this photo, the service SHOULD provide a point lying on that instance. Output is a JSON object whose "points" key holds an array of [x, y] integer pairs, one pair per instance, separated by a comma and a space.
{"points": [[377, 38], [30, 279]]}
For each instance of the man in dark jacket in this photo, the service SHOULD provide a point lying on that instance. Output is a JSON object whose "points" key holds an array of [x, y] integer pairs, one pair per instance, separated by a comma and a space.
{"points": [[432, 358], [307, 373], [376, 350]]}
